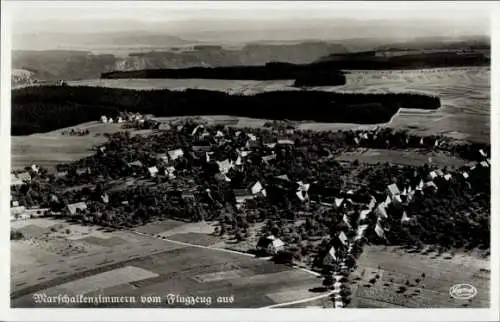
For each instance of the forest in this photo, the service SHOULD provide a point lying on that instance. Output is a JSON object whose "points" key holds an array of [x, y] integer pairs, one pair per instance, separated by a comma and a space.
{"points": [[46, 108]]}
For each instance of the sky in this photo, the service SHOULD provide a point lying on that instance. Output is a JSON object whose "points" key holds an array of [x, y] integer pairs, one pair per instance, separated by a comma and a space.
{"points": [[202, 19]]}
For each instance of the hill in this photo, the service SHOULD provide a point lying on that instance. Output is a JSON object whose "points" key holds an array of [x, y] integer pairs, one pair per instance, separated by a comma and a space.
{"points": [[74, 65]]}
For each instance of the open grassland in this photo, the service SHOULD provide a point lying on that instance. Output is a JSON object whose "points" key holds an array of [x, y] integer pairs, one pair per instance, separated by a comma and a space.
{"points": [[412, 158], [140, 265], [426, 279], [464, 94]]}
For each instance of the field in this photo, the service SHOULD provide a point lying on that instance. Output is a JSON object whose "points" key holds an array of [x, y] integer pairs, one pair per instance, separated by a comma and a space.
{"points": [[146, 266], [429, 277], [412, 158], [464, 93], [49, 149]]}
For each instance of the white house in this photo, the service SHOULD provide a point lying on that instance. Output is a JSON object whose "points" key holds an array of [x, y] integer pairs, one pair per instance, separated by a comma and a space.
{"points": [[224, 166], [330, 257], [363, 214], [405, 217], [484, 164], [238, 161], [15, 181], [268, 158], [256, 188], [153, 171], [285, 142], [35, 168], [433, 175], [466, 175], [380, 211], [251, 137], [270, 145], [119, 119], [379, 230], [169, 171], [483, 153], [343, 238], [105, 198], [338, 202], [104, 119], [175, 154], [373, 202], [110, 120], [271, 245], [447, 177], [393, 190], [74, 207], [302, 195]]}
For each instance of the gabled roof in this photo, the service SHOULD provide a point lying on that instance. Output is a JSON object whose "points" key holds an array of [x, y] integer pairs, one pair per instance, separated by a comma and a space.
{"points": [[270, 145], [465, 174], [153, 170], [393, 189], [224, 166], [174, 154], [339, 202], [78, 205], [255, 187], [269, 157], [484, 164], [380, 211], [136, 163], [343, 238], [363, 214], [379, 230], [286, 142], [283, 177]]}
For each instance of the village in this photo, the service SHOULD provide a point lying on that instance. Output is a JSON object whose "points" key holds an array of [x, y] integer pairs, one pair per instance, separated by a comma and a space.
{"points": [[311, 210]]}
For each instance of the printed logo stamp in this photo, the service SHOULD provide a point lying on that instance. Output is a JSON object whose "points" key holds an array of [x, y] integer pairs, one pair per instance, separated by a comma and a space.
{"points": [[463, 291]]}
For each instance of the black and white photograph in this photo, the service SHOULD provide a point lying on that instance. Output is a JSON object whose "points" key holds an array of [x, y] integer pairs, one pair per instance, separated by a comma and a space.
{"points": [[248, 155]]}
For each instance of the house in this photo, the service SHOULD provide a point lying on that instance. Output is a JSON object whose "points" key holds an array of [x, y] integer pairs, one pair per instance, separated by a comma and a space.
{"points": [[153, 171], [74, 208], [268, 158], [379, 230], [188, 195], [420, 185], [169, 171], [238, 161], [256, 188], [393, 190], [447, 177], [104, 119], [356, 140], [119, 119], [198, 127], [271, 145], [431, 184], [481, 151], [15, 203], [241, 195], [466, 175], [136, 163], [110, 120], [363, 214], [373, 202], [283, 177], [224, 166], [207, 156], [432, 175], [15, 181], [201, 148], [303, 186], [471, 165], [439, 173], [484, 164], [164, 127], [302, 195], [219, 134], [162, 157], [105, 198], [346, 220], [35, 168], [222, 177], [175, 154], [24, 176], [285, 142], [244, 154], [82, 171], [360, 233], [380, 211], [251, 137], [405, 217], [330, 257], [343, 238], [270, 245], [338, 202], [17, 210]]}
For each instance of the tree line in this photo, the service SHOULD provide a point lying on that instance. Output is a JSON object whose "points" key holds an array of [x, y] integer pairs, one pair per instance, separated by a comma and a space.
{"points": [[47, 108]]}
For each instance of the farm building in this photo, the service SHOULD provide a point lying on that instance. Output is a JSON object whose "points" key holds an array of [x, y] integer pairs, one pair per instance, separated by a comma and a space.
{"points": [[338, 202], [432, 175], [175, 154], [484, 164], [104, 119], [105, 198], [465, 175], [343, 238], [169, 171], [74, 208], [363, 214], [164, 127], [270, 245], [219, 134], [270, 145], [447, 177]]}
